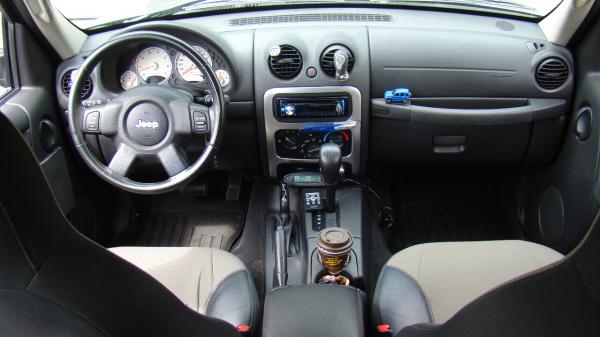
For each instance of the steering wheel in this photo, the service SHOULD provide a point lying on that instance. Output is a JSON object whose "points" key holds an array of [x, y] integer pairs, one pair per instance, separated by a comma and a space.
{"points": [[148, 123]]}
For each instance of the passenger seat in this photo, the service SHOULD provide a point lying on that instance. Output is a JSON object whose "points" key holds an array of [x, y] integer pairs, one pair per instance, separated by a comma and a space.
{"points": [[430, 283]]}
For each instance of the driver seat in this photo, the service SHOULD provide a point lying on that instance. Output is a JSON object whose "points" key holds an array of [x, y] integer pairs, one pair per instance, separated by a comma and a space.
{"points": [[56, 282]]}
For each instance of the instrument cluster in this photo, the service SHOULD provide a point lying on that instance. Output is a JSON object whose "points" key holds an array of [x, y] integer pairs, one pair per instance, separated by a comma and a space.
{"points": [[156, 64]]}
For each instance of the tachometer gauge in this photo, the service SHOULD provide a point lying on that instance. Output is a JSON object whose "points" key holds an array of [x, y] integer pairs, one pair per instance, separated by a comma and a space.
{"points": [[153, 64], [129, 80], [187, 69], [223, 77]]}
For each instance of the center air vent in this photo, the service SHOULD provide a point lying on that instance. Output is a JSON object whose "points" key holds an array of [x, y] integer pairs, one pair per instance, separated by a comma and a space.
{"points": [[552, 73], [327, 59], [287, 63], [67, 81]]}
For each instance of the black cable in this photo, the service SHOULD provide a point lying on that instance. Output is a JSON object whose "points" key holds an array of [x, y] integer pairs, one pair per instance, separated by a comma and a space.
{"points": [[385, 214]]}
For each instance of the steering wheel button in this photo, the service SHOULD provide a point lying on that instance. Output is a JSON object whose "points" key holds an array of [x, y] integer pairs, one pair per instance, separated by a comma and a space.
{"points": [[91, 121], [200, 123]]}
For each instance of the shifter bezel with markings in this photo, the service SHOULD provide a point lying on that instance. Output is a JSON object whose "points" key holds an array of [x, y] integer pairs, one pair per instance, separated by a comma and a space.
{"points": [[313, 200]]}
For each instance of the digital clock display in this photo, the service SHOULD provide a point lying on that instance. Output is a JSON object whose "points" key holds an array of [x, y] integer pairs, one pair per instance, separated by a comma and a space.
{"points": [[305, 178]]}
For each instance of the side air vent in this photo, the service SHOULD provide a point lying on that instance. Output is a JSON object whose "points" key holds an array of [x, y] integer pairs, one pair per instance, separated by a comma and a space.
{"points": [[67, 81], [286, 63], [327, 59], [323, 17], [552, 73]]}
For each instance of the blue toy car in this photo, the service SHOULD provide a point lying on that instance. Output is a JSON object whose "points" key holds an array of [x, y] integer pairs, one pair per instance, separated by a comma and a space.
{"points": [[399, 95]]}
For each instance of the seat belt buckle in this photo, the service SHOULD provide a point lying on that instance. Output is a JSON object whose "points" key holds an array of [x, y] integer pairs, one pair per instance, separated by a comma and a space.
{"points": [[243, 329], [384, 330]]}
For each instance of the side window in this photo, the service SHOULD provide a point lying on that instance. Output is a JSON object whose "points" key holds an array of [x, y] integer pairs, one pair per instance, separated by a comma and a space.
{"points": [[5, 79]]}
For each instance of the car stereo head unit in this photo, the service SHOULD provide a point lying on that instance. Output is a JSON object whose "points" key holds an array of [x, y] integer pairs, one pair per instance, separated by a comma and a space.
{"points": [[312, 107]]}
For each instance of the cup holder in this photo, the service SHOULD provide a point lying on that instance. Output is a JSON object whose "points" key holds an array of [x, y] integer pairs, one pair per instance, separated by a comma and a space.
{"points": [[344, 278]]}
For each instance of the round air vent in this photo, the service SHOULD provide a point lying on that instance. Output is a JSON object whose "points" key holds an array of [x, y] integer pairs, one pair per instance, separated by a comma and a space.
{"points": [[67, 81], [552, 73], [285, 61], [327, 59]]}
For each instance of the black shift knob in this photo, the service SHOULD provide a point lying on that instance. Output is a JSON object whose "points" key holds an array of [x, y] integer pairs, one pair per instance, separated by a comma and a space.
{"points": [[330, 161]]}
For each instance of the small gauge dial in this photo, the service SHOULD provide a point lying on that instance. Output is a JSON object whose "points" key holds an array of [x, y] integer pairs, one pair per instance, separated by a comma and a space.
{"points": [[188, 70], [153, 64], [223, 77], [129, 80]]}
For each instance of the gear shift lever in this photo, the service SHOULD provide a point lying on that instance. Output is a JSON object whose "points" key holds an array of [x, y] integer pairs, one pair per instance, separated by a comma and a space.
{"points": [[330, 161]]}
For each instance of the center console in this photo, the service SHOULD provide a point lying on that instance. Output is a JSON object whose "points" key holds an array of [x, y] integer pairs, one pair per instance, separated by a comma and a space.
{"points": [[298, 120], [314, 263]]}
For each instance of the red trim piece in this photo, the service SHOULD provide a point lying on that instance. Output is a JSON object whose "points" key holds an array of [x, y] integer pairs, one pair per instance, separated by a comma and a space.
{"points": [[243, 328], [383, 328], [346, 137]]}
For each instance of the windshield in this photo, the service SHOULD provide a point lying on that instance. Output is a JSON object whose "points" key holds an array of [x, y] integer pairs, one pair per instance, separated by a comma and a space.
{"points": [[91, 14]]}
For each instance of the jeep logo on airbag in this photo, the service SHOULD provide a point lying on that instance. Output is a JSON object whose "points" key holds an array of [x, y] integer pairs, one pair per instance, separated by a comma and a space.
{"points": [[146, 124], [143, 124]]}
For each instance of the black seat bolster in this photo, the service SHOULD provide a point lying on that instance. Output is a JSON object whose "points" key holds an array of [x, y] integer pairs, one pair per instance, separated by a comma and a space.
{"points": [[399, 300], [235, 300]]}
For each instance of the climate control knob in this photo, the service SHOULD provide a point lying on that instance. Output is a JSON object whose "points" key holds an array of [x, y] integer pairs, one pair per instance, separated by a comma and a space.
{"points": [[311, 150], [290, 142]]}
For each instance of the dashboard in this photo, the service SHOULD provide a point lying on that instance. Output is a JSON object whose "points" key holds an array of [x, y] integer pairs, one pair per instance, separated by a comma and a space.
{"points": [[485, 90]]}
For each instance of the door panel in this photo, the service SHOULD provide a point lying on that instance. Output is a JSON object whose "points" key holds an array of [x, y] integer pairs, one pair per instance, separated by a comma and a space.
{"points": [[562, 199], [32, 107]]}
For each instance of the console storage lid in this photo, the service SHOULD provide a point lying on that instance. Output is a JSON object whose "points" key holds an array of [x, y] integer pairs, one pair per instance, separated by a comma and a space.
{"points": [[314, 310]]}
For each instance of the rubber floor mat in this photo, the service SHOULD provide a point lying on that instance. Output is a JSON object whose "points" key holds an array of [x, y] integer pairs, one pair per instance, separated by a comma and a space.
{"points": [[425, 224], [188, 229], [434, 210]]}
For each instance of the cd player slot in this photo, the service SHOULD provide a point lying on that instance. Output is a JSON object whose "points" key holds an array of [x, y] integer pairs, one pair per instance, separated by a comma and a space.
{"points": [[291, 108]]}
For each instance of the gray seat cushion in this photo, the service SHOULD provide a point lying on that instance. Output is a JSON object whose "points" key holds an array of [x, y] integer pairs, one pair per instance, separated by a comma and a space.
{"points": [[210, 281], [429, 283]]}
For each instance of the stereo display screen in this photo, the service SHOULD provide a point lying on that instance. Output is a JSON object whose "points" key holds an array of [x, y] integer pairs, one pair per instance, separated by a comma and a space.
{"points": [[312, 107]]}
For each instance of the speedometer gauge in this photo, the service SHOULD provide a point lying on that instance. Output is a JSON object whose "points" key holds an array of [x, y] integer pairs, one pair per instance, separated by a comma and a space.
{"points": [[129, 80], [187, 69], [153, 64]]}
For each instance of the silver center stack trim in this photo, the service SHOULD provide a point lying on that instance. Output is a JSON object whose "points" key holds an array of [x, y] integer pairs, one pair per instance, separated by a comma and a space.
{"points": [[272, 125]]}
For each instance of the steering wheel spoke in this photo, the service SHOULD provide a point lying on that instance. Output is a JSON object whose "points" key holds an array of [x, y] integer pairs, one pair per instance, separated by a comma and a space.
{"points": [[173, 160], [123, 159], [102, 119]]}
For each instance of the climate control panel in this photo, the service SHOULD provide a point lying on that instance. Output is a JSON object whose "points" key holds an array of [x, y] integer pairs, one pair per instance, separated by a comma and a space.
{"points": [[296, 144]]}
